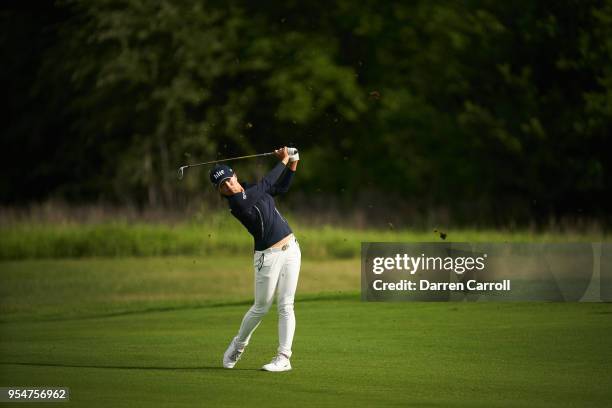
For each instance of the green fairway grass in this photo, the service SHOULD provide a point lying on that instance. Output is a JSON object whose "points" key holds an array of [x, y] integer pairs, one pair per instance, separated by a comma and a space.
{"points": [[56, 289], [152, 331], [345, 353]]}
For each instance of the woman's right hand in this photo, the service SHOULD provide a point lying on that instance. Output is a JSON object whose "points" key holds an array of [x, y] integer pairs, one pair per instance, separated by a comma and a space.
{"points": [[282, 154]]}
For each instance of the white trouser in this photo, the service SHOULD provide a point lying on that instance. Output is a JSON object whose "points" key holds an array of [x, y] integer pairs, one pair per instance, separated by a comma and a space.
{"points": [[274, 268]]}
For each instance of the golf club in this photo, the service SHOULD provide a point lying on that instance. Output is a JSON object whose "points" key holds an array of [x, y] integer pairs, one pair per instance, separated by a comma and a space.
{"points": [[291, 150]]}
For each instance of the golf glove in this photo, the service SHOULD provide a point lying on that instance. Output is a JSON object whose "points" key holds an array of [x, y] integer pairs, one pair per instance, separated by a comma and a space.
{"points": [[293, 154]]}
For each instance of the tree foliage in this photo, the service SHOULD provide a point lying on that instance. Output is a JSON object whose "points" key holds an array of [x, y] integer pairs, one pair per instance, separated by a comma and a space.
{"points": [[500, 109]]}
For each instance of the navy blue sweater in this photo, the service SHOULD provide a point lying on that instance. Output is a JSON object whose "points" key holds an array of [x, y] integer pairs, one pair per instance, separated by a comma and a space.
{"points": [[255, 208]]}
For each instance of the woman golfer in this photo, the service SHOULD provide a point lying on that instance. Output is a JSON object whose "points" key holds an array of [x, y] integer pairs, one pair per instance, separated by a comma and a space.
{"points": [[277, 253]]}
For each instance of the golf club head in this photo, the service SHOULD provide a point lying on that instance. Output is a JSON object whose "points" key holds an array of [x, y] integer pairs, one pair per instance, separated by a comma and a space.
{"points": [[180, 172]]}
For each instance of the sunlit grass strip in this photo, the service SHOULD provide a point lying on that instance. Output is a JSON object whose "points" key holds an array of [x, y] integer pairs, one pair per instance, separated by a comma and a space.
{"points": [[117, 239]]}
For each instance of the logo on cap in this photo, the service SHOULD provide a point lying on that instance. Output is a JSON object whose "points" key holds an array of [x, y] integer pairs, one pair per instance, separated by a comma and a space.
{"points": [[220, 173]]}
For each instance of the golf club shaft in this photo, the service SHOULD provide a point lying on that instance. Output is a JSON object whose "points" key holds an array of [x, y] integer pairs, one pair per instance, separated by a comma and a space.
{"points": [[182, 168], [224, 160]]}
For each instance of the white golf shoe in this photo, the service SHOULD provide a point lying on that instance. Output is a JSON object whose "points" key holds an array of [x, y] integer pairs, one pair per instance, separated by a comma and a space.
{"points": [[278, 363], [231, 355]]}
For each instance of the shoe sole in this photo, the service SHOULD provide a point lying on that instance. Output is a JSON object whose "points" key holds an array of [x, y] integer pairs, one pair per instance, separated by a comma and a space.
{"points": [[276, 371]]}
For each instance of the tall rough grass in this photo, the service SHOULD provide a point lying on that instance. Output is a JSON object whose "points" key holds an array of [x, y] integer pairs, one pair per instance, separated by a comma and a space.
{"points": [[220, 236], [56, 230]]}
